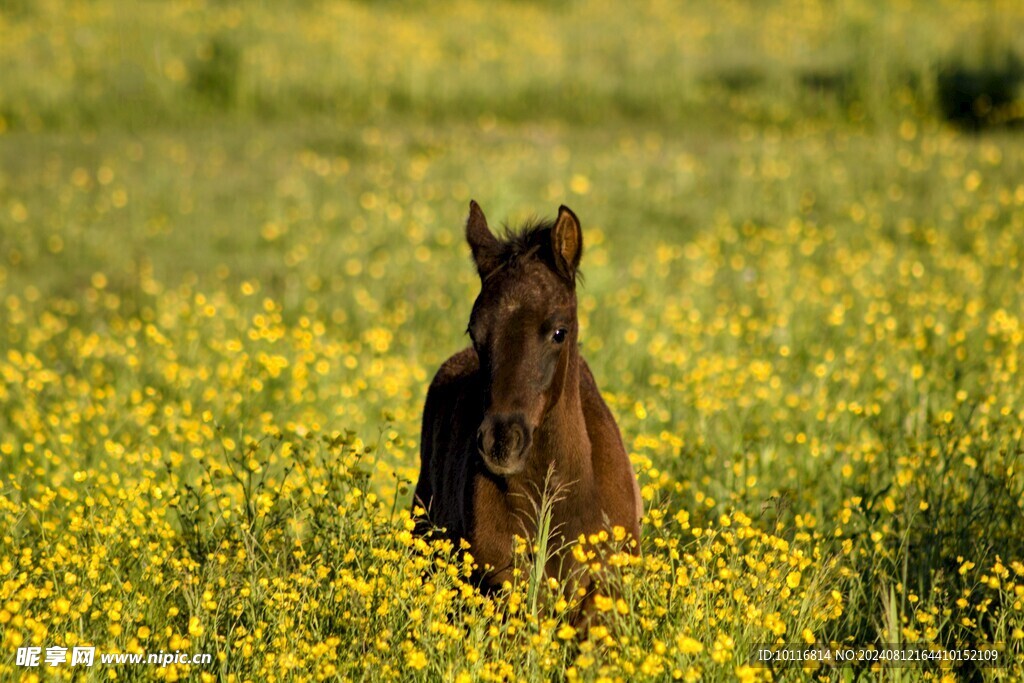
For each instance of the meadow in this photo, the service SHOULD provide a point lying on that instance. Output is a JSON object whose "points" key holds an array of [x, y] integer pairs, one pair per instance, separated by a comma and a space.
{"points": [[232, 257]]}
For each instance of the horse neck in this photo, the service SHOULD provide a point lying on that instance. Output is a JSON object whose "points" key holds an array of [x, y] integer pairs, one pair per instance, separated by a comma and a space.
{"points": [[562, 439]]}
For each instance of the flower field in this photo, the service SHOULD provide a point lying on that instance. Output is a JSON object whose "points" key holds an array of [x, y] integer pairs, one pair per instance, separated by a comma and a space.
{"points": [[231, 259]]}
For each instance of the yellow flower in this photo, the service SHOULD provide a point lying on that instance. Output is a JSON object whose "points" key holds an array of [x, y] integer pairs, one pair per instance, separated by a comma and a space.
{"points": [[687, 645], [416, 659]]}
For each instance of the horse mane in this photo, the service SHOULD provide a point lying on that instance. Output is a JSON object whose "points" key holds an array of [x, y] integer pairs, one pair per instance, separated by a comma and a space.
{"points": [[519, 244]]}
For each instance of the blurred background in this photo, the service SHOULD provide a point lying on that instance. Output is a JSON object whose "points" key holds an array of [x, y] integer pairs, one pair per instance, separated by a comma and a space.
{"points": [[108, 65], [230, 125]]}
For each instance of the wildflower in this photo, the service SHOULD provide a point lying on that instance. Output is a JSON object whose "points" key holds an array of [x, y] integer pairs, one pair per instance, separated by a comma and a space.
{"points": [[687, 645], [416, 659]]}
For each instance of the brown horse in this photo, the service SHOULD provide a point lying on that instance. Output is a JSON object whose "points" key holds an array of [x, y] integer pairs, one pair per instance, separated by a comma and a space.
{"points": [[519, 403]]}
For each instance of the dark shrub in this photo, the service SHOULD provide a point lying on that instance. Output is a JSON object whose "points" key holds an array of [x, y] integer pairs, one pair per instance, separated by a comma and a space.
{"points": [[975, 97]]}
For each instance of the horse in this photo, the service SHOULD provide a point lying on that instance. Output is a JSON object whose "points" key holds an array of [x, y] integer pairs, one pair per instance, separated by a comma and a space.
{"points": [[519, 412]]}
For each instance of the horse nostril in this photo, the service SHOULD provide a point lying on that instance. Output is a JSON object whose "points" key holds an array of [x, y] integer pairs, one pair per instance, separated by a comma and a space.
{"points": [[515, 439], [480, 445]]}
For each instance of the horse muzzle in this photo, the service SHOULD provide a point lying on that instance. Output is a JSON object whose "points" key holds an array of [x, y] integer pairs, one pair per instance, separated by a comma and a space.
{"points": [[503, 442]]}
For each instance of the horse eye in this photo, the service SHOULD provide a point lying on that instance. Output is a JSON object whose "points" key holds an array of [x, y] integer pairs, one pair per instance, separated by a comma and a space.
{"points": [[559, 336]]}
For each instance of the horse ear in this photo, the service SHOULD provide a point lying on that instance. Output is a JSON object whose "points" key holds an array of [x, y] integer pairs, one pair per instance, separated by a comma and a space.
{"points": [[481, 241], [567, 242]]}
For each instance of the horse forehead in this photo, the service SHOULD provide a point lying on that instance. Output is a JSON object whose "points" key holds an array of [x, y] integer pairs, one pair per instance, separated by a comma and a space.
{"points": [[530, 291]]}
